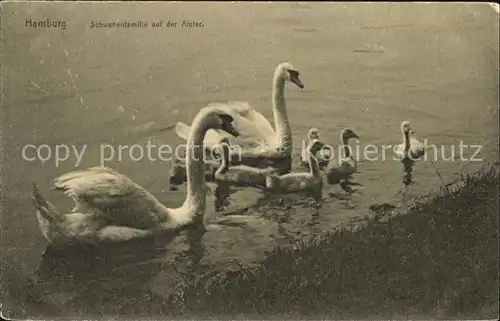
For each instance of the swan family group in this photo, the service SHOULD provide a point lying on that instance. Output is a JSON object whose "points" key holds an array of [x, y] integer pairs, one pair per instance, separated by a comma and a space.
{"points": [[109, 207]]}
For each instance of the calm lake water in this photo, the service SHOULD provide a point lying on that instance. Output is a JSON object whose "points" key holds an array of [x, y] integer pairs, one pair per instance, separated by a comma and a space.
{"points": [[365, 66]]}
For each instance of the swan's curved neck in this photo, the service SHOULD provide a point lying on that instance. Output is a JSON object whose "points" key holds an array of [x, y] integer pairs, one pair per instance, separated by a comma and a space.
{"points": [[195, 200], [345, 145], [224, 165], [281, 124], [313, 164], [406, 140], [312, 158]]}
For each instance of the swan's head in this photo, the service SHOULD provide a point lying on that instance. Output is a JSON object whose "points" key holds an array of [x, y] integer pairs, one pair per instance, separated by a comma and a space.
{"points": [[348, 133], [215, 118], [406, 127], [313, 134], [289, 73]]}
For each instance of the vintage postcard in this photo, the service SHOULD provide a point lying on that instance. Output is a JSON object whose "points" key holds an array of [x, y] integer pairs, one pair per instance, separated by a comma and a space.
{"points": [[249, 160]]}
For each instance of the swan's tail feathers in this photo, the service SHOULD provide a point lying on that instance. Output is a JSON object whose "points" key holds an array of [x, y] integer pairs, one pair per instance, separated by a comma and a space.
{"points": [[46, 209], [182, 130]]}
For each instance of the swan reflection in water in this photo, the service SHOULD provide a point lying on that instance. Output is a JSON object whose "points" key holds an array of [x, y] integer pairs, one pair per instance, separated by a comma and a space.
{"points": [[91, 270], [86, 279], [407, 178]]}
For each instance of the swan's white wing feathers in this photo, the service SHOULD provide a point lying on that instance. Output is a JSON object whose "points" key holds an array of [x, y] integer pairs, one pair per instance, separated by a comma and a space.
{"points": [[416, 143], [254, 128], [111, 194], [255, 121], [94, 183], [212, 136], [417, 149], [252, 125]]}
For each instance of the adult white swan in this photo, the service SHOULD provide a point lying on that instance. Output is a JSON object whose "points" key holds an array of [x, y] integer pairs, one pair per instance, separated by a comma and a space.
{"points": [[112, 208], [259, 141]]}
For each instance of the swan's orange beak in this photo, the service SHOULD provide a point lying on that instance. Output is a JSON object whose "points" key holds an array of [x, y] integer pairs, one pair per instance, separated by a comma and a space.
{"points": [[296, 80]]}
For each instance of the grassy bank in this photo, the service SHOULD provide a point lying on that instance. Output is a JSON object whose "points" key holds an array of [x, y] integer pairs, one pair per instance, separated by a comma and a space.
{"points": [[438, 261]]}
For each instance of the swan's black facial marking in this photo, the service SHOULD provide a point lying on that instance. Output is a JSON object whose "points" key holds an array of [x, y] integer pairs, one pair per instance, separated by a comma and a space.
{"points": [[227, 124], [294, 77], [226, 118]]}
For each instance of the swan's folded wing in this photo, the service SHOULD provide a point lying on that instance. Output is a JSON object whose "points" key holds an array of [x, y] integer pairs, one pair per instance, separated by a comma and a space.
{"points": [[99, 186], [111, 194], [251, 124], [212, 137], [254, 128], [416, 143]]}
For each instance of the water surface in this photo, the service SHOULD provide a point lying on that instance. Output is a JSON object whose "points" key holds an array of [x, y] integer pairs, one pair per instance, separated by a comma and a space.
{"points": [[366, 66]]}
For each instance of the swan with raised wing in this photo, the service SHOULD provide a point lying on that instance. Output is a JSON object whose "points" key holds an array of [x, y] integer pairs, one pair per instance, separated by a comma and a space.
{"points": [[310, 182], [411, 149], [112, 208], [260, 144], [340, 172]]}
